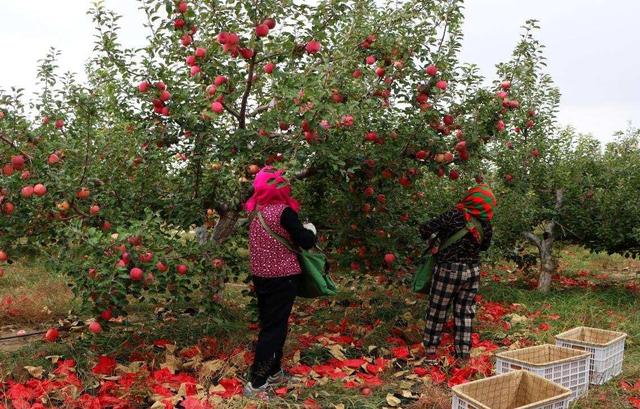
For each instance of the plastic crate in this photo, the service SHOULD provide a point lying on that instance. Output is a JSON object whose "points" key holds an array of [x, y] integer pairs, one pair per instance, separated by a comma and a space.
{"points": [[565, 366], [513, 390], [606, 347]]}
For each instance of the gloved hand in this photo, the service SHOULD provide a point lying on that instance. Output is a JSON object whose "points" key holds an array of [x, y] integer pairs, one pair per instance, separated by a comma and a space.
{"points": [[310, 226]]}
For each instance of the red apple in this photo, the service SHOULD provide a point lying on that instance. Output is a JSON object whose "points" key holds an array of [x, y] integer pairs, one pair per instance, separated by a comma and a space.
{"points": [[195, 70], [389, 258], [59, 123], [370, 59], [431, 70], [262, 30], [442, 84], [39, 189], [381, 198], [3, 256], [357, 73], [92, 273], [454, 175], [380, 72], [161, 267], [136, 274], [95, 327], [45, 120], [313, 47], [508, 178], [186, 40], [271, 23], [106, 314], [17, 162], [461, 146], [219, 80], [421, 154], [190, 60], [161, 85], [183, 7], [269, 67], [500, 125], [217, 263], [178, 24], [26, 191], [52, 335], [246, 53], [8, 208], [371, 136], [505, 85], [53, 159], [535, 153], [201, 52], [25, 175], [447, 119], [182, 269], [217, 107], [106, 226], [368, 191], [83, 193]]}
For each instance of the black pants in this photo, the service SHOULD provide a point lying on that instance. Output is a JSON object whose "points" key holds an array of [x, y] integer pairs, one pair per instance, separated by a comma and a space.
{"points": [[275, 300]]}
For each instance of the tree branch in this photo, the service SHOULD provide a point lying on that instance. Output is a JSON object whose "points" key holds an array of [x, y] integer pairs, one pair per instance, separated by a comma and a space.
{"points": [[263, 108], [533, 239], [230, 110], [247, 91], [8, 141]]}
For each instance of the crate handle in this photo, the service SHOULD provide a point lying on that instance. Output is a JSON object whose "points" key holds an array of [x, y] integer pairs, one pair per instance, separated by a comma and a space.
{"points": [[515, 367]]}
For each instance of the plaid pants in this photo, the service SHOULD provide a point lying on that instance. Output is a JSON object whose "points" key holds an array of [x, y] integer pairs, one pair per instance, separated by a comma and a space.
{"points": [[457, 283]]}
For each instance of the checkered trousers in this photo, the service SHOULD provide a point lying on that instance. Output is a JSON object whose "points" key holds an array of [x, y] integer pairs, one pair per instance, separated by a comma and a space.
{"points": [[457, 284]]}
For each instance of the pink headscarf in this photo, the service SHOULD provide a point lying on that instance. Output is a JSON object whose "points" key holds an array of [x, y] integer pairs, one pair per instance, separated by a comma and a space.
{"points": [[270, 187]]}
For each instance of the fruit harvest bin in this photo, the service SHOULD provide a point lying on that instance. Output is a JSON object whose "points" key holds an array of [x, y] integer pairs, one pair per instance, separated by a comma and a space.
{"points": [[513, 390], [565, 366], [606, 347]]}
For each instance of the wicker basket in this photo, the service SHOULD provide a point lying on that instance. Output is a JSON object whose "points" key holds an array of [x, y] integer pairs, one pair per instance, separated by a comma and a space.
{"points": [[513, 390], [565, 366], [606, 347]]}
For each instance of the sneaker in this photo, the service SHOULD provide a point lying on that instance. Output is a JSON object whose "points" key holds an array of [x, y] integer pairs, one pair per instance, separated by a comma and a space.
{"points": [[278, 378], [260, 392]]}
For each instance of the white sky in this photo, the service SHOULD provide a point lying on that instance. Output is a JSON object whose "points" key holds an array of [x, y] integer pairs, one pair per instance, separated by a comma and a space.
{"points": [[591, 48]]}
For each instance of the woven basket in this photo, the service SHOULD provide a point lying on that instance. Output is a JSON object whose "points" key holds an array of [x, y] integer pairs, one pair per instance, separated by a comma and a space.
{"points": [[606, 347], [513, 390], [564, 366]]}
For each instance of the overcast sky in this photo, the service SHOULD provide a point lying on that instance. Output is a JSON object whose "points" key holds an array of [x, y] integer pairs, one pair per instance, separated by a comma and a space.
{"points": [[592, 48]]}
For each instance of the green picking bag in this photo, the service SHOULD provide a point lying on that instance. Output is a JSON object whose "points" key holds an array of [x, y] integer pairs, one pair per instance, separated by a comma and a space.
{"points": [[424, 273], [315, 280]]}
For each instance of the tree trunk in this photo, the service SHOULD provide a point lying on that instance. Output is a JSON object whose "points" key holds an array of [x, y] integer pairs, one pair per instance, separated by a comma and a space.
{"points": [[548, 263], [226, 226]]}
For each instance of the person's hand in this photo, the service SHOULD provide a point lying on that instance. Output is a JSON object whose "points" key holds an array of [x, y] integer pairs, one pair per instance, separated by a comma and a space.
{"points": [[310, 226]]}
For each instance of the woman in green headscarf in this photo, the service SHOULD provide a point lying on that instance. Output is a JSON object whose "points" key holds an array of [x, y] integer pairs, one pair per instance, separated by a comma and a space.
{"points": [[456, 276]]}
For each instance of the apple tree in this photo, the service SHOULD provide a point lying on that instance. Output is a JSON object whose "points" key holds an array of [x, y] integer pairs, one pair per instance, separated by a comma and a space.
{"points": [[146, 166]]}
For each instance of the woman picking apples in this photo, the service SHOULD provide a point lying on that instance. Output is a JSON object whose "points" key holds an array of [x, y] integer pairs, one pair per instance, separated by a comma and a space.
{"points": [[456, 276], [275, 270]]}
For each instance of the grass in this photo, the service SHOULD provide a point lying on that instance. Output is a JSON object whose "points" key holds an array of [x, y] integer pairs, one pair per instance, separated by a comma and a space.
{"points": [[373, 314], [31, 296]]}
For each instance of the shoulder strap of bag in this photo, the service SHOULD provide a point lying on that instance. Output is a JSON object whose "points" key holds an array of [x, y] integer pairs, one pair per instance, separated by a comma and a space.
{"points": [[275, 235], [461, 233]]}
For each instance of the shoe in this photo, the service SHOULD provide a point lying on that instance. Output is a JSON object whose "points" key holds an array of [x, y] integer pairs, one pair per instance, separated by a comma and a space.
{"points": [[278, 378], [261, 392]]}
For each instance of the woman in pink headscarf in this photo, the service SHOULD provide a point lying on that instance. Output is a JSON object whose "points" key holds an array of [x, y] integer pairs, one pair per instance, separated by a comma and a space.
{"points": [[275, 270]]}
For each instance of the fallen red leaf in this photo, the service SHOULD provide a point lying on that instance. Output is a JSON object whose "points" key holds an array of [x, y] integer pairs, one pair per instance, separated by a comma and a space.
{"points": [[105, 366]]}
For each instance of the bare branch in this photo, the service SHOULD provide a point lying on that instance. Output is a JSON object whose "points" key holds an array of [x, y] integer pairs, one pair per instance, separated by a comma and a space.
{"points": [[263, 108], [533, 239], [247, 91]]}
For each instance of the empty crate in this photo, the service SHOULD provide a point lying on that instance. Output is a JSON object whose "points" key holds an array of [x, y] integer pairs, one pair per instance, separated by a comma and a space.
{"points": [[565, 366], [606, 347], [513, 390]]}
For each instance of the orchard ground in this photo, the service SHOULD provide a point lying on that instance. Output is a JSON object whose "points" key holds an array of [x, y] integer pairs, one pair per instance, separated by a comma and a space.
{"points": [[358, 350]]}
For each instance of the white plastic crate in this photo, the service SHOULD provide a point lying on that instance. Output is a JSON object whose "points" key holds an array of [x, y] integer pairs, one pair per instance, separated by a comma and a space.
{"points": [[565, 366], [606, 347], [513, 390]]}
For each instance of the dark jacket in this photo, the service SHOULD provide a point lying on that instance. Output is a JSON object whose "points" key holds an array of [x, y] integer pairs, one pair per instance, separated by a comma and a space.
{"points": [[467, 249]]}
